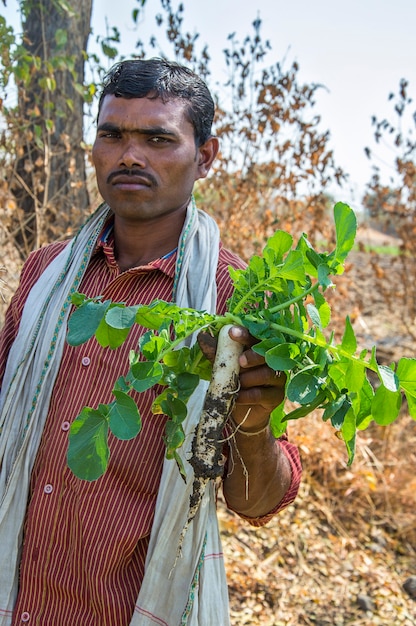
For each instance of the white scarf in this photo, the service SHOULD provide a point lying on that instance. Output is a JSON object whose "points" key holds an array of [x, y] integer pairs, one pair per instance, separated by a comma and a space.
{"points": [[194, 592]]}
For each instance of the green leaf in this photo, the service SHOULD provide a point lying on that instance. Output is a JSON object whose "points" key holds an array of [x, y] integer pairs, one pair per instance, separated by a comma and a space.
{"points": [[411, 406], [157, 402], [174, 408], [349, 434], [124, 417], [109, 51], [174, 437], [388, 378], [144, 375], [323, 276], [185, 385], [362, 403], [267, 344], [349, 342], [276, 247], [336, 410], [312, 259], [261, 329], [293, 268], [78, 298], [175, 456], [186, 358], [257, 268], [346, 229], [303, 387], [84, 321], [283, 356], [88, 451], [155, 314], [61, 37], [152, 345], [109, 337], [277, 424], [307, 408], [347, 374], [323, 308], [386, 405], [121, 316], [406, 373], [121, 384], [314, 315]]}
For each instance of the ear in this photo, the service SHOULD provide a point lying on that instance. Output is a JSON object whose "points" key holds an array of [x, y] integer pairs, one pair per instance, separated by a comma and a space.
{"points": [[206, 155]]}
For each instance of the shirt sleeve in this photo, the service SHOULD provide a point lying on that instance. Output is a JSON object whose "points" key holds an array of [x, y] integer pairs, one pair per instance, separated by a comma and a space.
{"points": [[32, 269]]}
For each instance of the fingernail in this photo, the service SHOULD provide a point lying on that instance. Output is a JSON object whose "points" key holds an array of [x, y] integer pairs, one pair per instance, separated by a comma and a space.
{"points": [[243, 360]]}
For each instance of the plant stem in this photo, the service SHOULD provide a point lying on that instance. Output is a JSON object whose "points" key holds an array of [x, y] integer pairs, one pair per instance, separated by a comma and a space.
{"points": [[316, 341], [288, 303]]}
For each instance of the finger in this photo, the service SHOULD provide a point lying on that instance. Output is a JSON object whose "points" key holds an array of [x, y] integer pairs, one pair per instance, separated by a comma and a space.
{"points": [[241, 335], [249, 358], [266, 397], [208, 345], [261, 376]]}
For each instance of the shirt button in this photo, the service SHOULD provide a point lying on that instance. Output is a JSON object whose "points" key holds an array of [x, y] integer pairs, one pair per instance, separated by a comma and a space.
{"points": [[25, 617], [86, 360], [48, 489], [65, 425]]}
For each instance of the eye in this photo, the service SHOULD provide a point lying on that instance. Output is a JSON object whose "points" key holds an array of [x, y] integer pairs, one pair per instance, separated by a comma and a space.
{"points": [[158, 140], [109, 134]]}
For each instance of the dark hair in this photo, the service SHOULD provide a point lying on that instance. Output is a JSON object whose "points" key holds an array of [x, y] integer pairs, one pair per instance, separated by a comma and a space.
{"points": [[159, 78]]}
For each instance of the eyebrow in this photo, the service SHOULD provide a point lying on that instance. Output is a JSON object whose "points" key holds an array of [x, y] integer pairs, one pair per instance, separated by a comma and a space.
{"points": [[149, 131]]}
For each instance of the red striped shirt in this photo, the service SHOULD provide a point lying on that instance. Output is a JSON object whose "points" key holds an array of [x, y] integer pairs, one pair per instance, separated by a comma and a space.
{"points": [[85, 543]]}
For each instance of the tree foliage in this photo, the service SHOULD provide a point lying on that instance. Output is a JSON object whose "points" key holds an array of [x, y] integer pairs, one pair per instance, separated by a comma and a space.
{"points": [[275, 163], [44, 154]]}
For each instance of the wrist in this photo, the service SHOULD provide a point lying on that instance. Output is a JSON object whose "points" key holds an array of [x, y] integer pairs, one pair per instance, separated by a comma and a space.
{"points": [[249, 432]]}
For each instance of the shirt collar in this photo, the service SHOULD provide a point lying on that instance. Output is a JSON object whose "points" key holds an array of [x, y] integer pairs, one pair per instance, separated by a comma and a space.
{"points": [[105, 245]]}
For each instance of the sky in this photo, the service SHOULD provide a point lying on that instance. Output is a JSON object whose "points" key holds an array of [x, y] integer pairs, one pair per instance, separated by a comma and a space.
{"points": [[358, 50]]}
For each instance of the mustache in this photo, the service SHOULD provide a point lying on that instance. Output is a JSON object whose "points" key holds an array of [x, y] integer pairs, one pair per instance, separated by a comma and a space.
{"points": [[133, 173]]}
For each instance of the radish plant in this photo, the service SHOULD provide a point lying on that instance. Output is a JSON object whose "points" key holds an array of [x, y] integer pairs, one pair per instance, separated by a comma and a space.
{"points": [[280, 299]]}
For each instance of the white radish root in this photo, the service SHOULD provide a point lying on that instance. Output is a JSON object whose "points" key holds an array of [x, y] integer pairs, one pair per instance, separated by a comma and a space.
{"points": [[207, 457]]}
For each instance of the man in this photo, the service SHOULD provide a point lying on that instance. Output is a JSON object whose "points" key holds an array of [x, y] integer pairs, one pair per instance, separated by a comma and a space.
{"points": [[103, 553]]}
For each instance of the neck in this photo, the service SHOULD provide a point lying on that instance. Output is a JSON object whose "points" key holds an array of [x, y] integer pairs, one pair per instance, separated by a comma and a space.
{"points": [[140, 243]]}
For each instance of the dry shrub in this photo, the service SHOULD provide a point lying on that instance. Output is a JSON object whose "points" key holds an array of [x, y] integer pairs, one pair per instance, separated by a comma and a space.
{"points": [[391, 206], [10, 266], [379, 487]]}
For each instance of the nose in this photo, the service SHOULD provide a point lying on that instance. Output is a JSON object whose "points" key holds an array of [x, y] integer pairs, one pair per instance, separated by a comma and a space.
{"points": [[132, 154]]}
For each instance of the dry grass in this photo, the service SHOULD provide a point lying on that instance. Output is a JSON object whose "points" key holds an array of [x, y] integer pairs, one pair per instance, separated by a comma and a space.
{"points": [[351, 532]]}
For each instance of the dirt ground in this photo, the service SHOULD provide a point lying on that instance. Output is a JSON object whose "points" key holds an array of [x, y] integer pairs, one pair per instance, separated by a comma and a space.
{"points": [[340, 554]]}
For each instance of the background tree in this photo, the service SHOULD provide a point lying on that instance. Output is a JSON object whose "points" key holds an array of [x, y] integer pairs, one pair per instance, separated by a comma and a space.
{"points": [[275, 164], [45, 128]]}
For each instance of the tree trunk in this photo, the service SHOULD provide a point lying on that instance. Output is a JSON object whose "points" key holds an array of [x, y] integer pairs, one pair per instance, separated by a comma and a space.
{"points": [[50, 173]]}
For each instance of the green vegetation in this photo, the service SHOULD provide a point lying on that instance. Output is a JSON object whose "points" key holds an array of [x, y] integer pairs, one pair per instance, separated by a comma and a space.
{"points": [[280, 299]]}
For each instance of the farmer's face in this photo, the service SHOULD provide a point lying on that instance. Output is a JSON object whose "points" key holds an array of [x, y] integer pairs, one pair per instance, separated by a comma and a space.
{"points": [[145, 157]]}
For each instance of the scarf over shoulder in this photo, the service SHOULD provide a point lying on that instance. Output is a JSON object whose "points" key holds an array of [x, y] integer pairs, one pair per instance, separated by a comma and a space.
{"points": [[190, 590]]}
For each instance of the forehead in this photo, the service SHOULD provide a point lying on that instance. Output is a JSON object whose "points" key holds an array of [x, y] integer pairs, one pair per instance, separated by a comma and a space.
{"points": [[145, 112]]}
